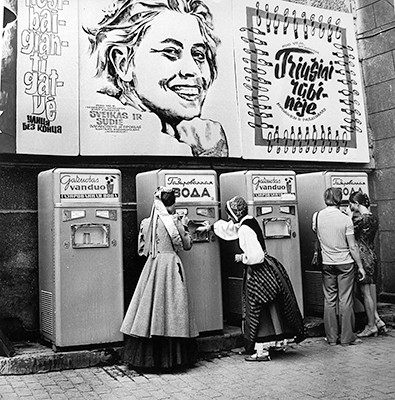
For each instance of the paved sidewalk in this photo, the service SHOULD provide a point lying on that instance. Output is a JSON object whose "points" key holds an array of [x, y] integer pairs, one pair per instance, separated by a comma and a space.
{"points": [[311, 370]]}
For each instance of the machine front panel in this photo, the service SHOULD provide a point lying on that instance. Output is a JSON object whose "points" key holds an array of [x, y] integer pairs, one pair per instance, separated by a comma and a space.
{"points": [[90, 287], [197, 199]]}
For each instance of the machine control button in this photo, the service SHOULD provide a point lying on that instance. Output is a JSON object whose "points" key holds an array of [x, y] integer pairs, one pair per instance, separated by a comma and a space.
{"points": [[113, 243], [66, 244], [294, 234]]}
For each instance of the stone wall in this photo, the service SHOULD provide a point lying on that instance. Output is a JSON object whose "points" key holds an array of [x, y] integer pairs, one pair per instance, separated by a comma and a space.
{"points": [[375, 24]]}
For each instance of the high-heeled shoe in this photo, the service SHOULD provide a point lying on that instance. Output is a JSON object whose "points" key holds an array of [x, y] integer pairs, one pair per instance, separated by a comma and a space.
{"points": [[367, 332], [381, 326]]}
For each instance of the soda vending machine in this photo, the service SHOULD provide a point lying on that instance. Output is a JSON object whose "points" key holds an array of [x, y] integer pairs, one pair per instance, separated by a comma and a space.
{"points": [[80, 256], [271, 199], [197, 198], [311, 188]]}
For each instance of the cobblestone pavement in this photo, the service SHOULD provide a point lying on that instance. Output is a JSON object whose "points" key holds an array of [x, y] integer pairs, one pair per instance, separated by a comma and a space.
{"points": [[311, 370]]}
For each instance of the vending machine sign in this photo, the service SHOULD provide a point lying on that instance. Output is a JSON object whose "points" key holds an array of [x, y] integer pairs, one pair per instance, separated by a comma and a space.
{"points": [[196, 188], [350, 184], [273, 187], [85, 187]]}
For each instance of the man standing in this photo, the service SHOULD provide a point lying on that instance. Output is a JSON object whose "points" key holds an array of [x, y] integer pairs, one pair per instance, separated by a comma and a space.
{"points": [[335, 232]]}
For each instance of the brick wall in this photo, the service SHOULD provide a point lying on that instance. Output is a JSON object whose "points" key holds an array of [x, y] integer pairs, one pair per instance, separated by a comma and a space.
{"points": [[375, 24]]}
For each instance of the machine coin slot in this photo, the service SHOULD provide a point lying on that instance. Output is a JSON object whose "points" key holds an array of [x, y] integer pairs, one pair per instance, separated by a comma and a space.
{"points": [[107, 214], [276, 228], [86, 236], [207, 212], [69, 215], [263, 211], [287, 210]]}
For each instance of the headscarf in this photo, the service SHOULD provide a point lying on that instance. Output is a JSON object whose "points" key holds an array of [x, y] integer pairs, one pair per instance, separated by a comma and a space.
{"points": [[237, 207], [159, 211]]}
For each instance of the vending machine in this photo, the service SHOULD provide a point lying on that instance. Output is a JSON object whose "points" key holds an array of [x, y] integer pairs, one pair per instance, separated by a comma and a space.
{"points": [[311, 188], [80, 256], [271, 198], [197, 198]]}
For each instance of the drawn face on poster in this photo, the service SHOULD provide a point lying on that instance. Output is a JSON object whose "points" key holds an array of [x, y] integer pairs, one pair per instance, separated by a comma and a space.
{"points": [[160, 57], [7, 73]]}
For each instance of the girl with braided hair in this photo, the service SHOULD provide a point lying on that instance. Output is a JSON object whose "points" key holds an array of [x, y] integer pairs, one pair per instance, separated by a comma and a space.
{"points": [[270, 312]]}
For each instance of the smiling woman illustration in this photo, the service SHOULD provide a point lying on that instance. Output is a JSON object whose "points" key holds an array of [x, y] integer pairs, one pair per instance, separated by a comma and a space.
{"points": [[160, 56]]}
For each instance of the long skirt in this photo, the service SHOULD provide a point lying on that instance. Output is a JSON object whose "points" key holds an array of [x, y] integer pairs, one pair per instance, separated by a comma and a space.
{"points": [[277, 319], [160, 353]]}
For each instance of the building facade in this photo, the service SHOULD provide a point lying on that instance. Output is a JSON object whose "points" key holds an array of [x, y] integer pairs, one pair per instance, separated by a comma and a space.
{"points": [[19, 298]]}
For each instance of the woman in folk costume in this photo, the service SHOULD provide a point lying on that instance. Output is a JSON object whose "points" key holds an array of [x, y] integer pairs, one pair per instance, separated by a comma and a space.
{"points": [[270, 311], [159, 323]]}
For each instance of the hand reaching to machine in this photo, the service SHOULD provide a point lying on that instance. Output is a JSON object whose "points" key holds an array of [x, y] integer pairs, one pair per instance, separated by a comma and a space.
{"points": [[238, 258], [185, 220], [205, 227]]}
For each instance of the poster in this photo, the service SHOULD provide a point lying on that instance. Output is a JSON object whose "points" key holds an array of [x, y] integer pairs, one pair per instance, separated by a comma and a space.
{"points": [[163, 85], [299, 86], [8, 21], [47, 84]]}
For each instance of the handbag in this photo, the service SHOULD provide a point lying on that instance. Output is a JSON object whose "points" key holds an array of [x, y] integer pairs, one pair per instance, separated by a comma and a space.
{"points": [[316, 262]]}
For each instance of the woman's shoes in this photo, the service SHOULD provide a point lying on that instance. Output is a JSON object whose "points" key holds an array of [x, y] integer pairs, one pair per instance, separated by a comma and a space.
{"points": [[255, 357], [367, 332], [380, 324], [281, 345]]}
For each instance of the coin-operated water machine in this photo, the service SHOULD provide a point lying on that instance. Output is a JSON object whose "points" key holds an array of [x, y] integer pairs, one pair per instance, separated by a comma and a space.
{"points": [[197, 198], [271, 199], [80, 256], [311, 188]]}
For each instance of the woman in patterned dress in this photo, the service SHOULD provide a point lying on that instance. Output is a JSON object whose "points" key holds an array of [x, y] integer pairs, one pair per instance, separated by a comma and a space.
{"points": [[159, 322], [271, 314], [365, 228]]}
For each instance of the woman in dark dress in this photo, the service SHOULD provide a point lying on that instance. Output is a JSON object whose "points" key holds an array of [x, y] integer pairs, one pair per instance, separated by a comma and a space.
{"points": [[365, 228], [271, 314], [159, 322]]}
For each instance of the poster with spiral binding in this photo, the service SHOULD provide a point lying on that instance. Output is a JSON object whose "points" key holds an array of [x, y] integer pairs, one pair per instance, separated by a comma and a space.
{"points": [[300, 91]]}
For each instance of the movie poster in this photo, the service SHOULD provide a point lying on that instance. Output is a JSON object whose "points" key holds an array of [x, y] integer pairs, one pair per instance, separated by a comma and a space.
{"points": [[8, 20], [47, 84], [299, 86], [157, 82]]}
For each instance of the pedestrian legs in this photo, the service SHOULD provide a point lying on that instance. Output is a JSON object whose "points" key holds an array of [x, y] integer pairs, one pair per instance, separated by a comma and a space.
{"points": [[346, 279], [330, 287]]}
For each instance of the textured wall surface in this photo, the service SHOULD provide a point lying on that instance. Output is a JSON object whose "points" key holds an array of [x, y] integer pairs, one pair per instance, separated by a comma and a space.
{"points": [[375, 24]]}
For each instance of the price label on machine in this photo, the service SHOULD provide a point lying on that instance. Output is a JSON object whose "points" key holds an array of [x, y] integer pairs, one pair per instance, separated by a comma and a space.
{"points": [[195, 188], [273, 187], [89, 186], [350, 184]]}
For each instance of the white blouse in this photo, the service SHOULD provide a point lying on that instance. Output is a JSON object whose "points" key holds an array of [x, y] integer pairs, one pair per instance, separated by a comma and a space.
{"points": [[248, 240]]}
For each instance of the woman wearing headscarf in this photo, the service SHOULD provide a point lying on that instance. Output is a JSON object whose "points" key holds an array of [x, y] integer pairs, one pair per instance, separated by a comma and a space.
{"points": [[271, 314], [159, 323]]}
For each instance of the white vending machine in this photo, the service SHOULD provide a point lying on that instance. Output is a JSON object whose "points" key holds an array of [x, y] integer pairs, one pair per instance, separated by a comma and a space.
{"points": [[311, 188], [197, 198], [271, 198], [80, 256]]}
